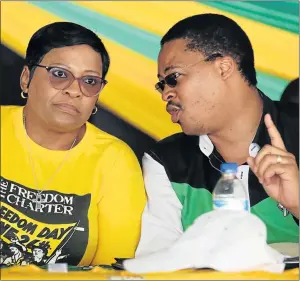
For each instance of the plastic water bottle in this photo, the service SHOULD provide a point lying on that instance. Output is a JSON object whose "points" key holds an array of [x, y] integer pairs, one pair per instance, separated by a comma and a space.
{"points": [[229, 192]]}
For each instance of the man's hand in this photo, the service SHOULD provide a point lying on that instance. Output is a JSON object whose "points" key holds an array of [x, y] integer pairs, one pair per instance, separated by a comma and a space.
{"points": [[277, 170]]}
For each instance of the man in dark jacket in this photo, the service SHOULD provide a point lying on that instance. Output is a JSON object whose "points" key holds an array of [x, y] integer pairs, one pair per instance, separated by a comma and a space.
{"points": [[207, 78]]}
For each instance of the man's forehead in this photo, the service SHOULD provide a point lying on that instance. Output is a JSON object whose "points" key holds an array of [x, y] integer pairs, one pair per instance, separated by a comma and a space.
{"points": [[172, 50], [174, 54]]}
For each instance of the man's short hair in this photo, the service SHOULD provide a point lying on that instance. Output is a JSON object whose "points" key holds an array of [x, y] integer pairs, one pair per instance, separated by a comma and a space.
{"points": [[214, 33]]}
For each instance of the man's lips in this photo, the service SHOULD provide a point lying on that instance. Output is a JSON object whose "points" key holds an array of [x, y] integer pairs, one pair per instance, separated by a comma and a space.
{"points": [[174, 111]]}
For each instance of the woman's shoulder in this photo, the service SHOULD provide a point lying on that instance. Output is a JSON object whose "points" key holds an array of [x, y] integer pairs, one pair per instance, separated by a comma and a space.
{"points": [[9, 110], [9, 113], [100, 136], [102, 139]]}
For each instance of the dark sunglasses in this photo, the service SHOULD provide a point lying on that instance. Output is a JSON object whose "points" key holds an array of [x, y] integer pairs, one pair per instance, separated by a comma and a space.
{"points": [[171, 79], [61, 79]]}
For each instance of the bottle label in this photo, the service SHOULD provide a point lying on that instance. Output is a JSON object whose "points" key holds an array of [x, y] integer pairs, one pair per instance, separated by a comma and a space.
{"points": [[230, 204]]}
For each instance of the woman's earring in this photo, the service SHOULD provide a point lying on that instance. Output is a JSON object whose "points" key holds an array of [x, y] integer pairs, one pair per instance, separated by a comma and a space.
{"points": [[23, 96], [95, 110]]}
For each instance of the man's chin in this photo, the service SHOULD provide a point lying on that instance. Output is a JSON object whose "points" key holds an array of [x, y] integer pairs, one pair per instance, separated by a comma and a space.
{"points": [[192, 131], [187, 130]]}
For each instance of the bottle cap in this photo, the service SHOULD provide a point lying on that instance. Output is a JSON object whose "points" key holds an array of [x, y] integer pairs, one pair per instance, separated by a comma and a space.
{"points": [[229, 167]]}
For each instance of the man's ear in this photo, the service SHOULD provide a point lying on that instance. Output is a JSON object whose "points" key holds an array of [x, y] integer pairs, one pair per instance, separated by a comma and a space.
{"points": [[226, 67], [24, 79]]}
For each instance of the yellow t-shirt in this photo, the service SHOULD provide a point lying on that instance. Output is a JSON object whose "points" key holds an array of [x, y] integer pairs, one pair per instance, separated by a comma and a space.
{"points": [[89, 213]]}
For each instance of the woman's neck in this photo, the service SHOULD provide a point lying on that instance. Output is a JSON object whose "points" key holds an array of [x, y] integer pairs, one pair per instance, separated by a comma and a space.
{"points": [[49, 138]]}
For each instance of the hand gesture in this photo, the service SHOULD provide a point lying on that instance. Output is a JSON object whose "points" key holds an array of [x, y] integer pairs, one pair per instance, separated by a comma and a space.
{"points": [[277, 170]]}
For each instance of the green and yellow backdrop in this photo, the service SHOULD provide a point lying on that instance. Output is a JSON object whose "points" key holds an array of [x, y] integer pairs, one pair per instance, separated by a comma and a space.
{"points": [[131, 31]]}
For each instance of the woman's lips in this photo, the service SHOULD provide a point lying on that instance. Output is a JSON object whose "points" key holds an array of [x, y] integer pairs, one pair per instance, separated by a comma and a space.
{"points": [[68, 108]]}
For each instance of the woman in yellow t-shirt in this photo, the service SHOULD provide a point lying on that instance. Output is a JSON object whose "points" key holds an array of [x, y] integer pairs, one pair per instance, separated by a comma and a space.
{"points": [[69, 191]]}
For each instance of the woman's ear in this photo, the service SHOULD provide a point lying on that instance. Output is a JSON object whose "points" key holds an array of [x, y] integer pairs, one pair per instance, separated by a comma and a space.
{"points": [[24, 79]]}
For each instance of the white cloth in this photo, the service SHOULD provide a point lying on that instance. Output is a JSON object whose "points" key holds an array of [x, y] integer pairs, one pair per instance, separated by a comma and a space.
{"points": [[224, 240], [161, 220]]}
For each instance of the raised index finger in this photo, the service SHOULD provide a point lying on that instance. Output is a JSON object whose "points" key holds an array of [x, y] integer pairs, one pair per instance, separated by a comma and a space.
{"points": [[276, 139]]}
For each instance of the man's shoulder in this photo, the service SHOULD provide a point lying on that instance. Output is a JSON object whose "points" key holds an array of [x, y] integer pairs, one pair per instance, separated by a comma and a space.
{"points": [[174, 146], [174, 142]]}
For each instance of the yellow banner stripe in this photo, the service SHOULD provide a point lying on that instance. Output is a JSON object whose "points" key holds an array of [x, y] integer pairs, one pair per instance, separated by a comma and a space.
{"points": [[276, 50], [130, 93]]}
